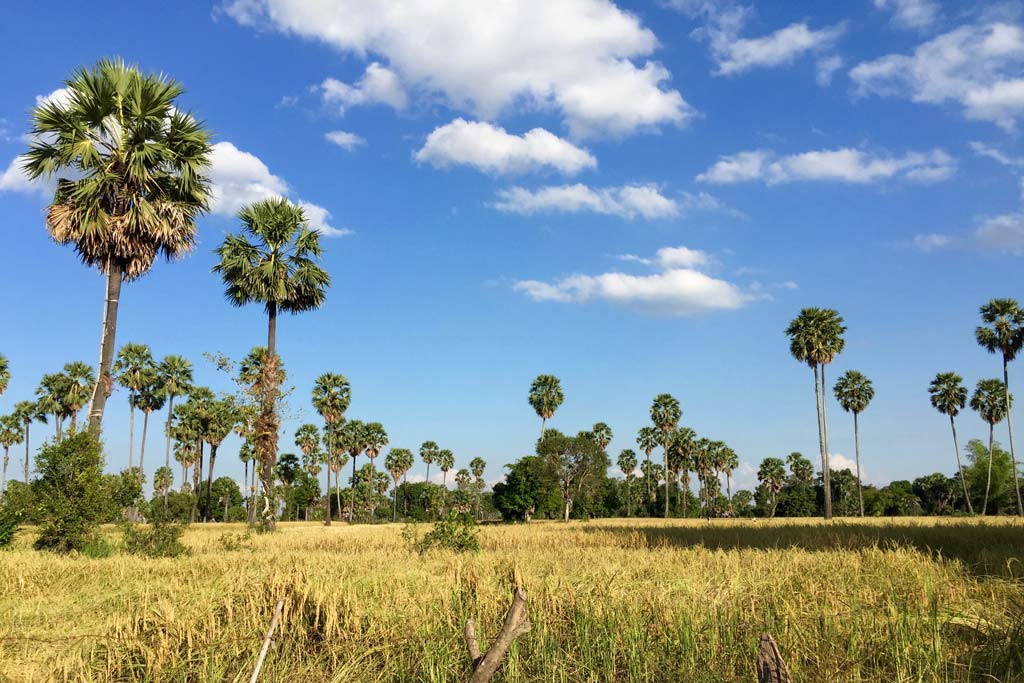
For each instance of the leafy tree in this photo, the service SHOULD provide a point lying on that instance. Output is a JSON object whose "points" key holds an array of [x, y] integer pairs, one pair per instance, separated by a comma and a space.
{"points": [[990, 469], [287, 470], [575, 462], [70, 496], [398, 462], [1005, 335], [5, 373], [816, 338], [771, 474], [949, 396], [429, 451], [135, 163], [627, 463], [273, 261], [743, 503], [228, 497], [28, 412], [135, 370], [175, 377], [990, 401], [332, 395], [545, 397], [647, 439], [12, 432], [665, 414], [854, 392], [935, 491]]}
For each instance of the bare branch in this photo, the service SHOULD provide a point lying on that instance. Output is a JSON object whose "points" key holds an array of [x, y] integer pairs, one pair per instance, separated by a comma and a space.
{"points": [[516, 624], [770, 667]]}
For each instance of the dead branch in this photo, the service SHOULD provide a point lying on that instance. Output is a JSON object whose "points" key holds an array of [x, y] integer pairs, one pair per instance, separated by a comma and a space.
{"points": [[267, 641], [516, 624], [770, 667]]}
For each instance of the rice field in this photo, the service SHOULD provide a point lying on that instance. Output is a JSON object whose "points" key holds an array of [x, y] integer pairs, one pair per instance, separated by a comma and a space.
{"points": [[618, 600]]}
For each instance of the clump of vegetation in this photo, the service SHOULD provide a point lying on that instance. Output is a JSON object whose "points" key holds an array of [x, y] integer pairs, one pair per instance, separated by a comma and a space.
{"points": [[159, 540], [235, 542], [9, 520], [69, 493], [455, 532]]}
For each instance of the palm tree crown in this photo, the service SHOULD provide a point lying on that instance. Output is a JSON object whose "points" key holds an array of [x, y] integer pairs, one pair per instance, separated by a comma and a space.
{"points": [[546, 396], [665, 412], [5, 373], [989, 401], [854, 391], [332, 395], [1005, 331], [948, 394]]}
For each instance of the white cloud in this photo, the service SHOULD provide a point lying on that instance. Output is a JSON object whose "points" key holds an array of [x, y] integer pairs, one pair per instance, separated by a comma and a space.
{"points": [[586, 59], [682, 257], [15, 179], [1003, 233], [60, 96], [780, 48], [977, 66], [838, 461], [625, 201], [931, 242], [491, 149], [915, 14], [379, 85], [826, 68], [318, 218], [845, 165], [345, 140], [983, 150]]}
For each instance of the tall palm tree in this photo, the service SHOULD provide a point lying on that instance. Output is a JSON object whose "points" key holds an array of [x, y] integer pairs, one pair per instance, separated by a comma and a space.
{"points": [[429, 451], [274, 262], [989, 400], [52, 392], [545, 397], [337, 458], [353, 436], [680, 462], [5, 373], [703, 454], [247, 453], [135, 370], [398, 462], [79, 388], [647, 439], [772, 475], [375, 439], [221, 417], [445, 462], [332, 395], [665, 414], [12, 432], [163, 480], [175, 374], [1006, 337], [627, 463], [602, 434], [28, 412], [149, 400], [729, 462], [816, 338], [135, 162], [949, 396], [854, 392], [477, 467]]}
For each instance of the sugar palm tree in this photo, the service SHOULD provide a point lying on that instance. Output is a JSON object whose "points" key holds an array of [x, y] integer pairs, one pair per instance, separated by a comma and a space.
{"points": [[221, 418], [337, 458], [375, 439], [445, 462], [665, 414], [1005, 335], [12, 432], [680, 462], [353, 437], [398, 462], [5, 373], [989, 401], [131, 166], [647, 439], [949, 396], [135, 370], [429, 451], [854, 392], [602, 434], [28, 412], [175, 376], [545, 397], [627, 463], [149, 400], [477, 467], [332, 395], [79, 388], [729, 461], [816, 338], [163, 480], [274, 262], [52, 392], [772, 475], [703, 453]]}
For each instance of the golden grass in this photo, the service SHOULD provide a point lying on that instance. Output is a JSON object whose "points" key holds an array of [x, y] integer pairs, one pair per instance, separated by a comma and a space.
{"points": [[618, 600]]}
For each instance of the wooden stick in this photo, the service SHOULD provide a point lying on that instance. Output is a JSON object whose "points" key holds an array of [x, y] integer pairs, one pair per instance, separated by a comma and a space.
{"points": [[267, 641], [770, 667], [516, 624]]}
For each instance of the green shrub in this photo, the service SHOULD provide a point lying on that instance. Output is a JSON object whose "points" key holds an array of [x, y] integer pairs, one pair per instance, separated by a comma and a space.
{"points": [[9, 520], [69, 493], [234, 542], [97, 547], [455, 532], [158, 540]]}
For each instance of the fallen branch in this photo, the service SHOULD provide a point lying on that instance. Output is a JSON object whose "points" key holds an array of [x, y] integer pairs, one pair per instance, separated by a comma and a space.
{"points": [[516, 624], [267, 641], [770, 667]]}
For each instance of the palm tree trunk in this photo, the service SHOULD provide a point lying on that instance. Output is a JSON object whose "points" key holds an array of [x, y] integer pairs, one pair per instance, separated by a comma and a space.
{"points": [[131, 428], [352, 501], [74, 421], [856, 447], [27, 423], [821, 442], [960, 466], [245, 485], [337, 490], [3, 482], [1009, 427], [142, 446], [330, 456], [728, 492], [373, 492], [167, 429], [685, 493], [207, 517], [267, 447], [988, 485], [103, 381], [394, 503], [542, 421], [665, 448]]}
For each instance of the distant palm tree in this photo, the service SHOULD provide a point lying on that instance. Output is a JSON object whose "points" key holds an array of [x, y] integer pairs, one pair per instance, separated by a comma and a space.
{"points": [[680, 462], [79, 388], [949, 396], [52, 392], [135, 370], [545, 397], [397, 462], [854, 392], [175, 373], [665, 414], [163, 480], [602, 434], [627, 463], [428, 453], [5, 373], [703, 453], [990, 401], [136, 163], [332, 395], [815, 338], [28, 412], [729, 462], [445, 462], [12, 432], [375, 440], [477, 467], [149, 400], [221, 417], [1006, 337], [274, 262], [353, 436], [772, 474], [647, 439]]}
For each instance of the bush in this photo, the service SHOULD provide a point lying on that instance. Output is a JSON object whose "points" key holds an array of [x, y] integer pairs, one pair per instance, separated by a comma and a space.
{"points": [[158, 540], [69, 493], [97, 547], [234, 542], [9, 520], [455, 532]]}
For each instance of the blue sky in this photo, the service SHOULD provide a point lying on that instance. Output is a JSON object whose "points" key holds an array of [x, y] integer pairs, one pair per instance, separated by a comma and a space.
{"points": [[636, 197]]}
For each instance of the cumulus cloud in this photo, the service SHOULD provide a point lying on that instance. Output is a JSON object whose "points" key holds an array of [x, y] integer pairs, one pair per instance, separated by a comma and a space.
{"points": [[625, 201], [844, 165], [15, 179], [1002, 233], [914, 14], [491, 149], [682, 257], [977, 66], [345, 140], [379, 85], [838, 462], [586, 59]]}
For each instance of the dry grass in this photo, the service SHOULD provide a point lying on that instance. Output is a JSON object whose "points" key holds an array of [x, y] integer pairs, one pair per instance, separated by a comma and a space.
{"points": [[623, 600]]}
